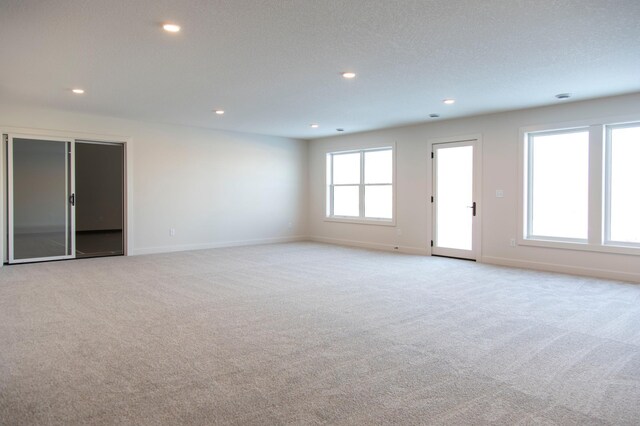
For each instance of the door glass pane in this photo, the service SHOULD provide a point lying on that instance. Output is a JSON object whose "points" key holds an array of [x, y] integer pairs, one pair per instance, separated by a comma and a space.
{"points": [[378, 166], [560, 185], [378, 201], [99, 199], [346, 201], [40, 199], [454, 192], [625, 176], [346, 168]]}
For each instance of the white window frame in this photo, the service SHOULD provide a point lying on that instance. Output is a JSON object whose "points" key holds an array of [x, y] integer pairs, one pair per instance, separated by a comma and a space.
{"points": [[607, 185], [528, 234], [597, 186], [361, 218]]}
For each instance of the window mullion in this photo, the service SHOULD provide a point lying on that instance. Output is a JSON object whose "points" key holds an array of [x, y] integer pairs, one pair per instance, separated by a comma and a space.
{"points": [[530, 161], [362, 184], [596, 187]]}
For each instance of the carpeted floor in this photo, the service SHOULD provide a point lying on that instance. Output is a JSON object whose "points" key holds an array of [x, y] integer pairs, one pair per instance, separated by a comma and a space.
{"points": [[309, 333]]}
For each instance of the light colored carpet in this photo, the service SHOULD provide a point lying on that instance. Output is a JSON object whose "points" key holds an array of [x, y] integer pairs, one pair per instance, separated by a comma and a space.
{"points": [[309, 333]]}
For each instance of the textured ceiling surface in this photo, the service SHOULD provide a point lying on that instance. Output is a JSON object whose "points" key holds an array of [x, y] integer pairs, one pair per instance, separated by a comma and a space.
{"points": [[274, 65]]}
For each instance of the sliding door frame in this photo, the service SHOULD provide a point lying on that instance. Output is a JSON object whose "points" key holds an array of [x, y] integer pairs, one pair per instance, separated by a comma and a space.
{"points": [[126, 141]]}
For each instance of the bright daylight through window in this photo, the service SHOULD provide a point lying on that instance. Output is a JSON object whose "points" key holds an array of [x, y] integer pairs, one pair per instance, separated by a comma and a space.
{"points": [[564, 198], [558, 185], [622, 182], [360, 185]]}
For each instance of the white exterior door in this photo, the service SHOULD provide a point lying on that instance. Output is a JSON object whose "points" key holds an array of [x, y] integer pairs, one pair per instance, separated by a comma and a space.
{"points": [[455, 199]]}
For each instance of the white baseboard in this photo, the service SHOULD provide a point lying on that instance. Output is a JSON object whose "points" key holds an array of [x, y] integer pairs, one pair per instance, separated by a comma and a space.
{"points": [[502, 261], [369, 245], [565, 269], [187, 247]]}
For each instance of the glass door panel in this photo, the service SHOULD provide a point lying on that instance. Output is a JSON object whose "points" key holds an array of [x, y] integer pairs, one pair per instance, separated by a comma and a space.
{"points": [[99, 210], [40, 199], [454, 207]]}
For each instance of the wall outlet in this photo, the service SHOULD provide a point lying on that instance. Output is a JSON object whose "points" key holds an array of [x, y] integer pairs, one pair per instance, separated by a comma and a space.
{"points": [[512, 242], [290, 225], [399, 231], [499, 193], [172, 232]]}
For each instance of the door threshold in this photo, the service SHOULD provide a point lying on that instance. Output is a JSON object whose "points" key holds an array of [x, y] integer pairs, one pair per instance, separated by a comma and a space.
{"points": [[453, 257]]}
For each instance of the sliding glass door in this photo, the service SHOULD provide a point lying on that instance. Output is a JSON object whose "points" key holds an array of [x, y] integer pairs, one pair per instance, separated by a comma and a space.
{"points": [[41, 198]]}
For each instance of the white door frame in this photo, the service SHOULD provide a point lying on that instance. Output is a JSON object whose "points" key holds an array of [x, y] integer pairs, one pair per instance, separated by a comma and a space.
{"points": [[70, 222], [476, 251]]}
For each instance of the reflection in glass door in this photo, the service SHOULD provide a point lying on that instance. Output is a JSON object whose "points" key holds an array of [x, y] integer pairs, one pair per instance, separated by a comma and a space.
{"points": [[454, 208], [41, 198], [99, 209]]}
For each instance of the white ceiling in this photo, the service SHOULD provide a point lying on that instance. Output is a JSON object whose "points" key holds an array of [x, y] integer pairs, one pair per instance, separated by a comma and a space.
{"points": [[274, 65]]}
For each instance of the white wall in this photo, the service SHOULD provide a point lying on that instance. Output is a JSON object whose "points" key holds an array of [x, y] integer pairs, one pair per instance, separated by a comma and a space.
{"points": [[218, 188], [215, 188], [500, 136]]}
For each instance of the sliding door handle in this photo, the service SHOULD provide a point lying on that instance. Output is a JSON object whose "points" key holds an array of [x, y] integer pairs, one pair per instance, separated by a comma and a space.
{"points": [[473, 207], [72, 199]]}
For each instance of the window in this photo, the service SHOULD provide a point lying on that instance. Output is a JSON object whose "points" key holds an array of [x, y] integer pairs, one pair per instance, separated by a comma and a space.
{"points": [[360, 184], [558, 185], [622, 223], [581, 188]]}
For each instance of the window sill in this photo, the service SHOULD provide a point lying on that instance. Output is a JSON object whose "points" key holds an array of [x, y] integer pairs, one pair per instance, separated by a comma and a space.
{"points": [[359, 221], [580, 246]]}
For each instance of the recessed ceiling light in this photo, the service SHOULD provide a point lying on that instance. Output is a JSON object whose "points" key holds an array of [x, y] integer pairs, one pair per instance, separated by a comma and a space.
{"points": [[219, 111], [449, 101], [172, 28], [78, 91], [315, 126], [562, 96], [434, 115], [349, 74]]}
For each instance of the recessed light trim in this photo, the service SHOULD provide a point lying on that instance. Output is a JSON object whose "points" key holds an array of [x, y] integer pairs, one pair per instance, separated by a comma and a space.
{"points": [[563, 96], [219, 111], [349, 75], [314, 126], [171, 28], [449, 101], [78, 91]]}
